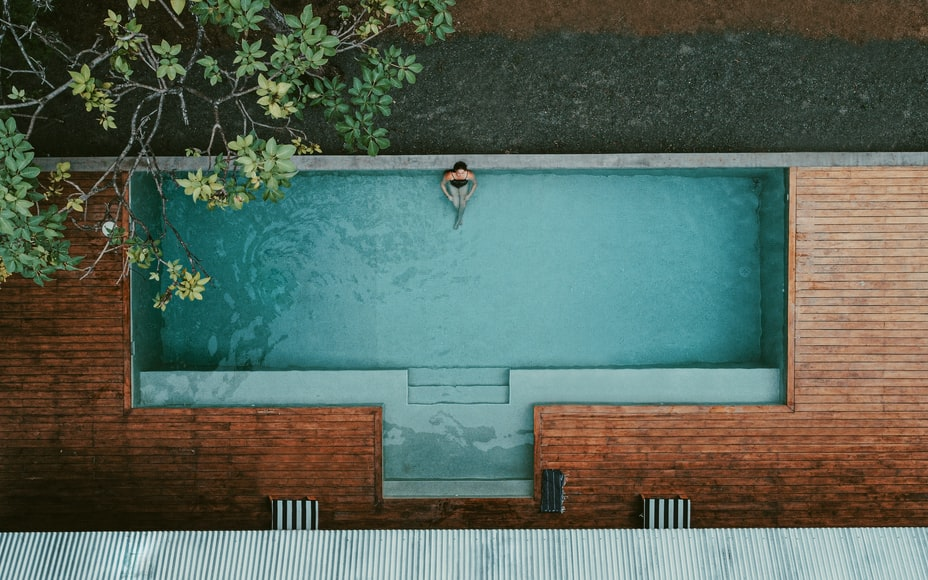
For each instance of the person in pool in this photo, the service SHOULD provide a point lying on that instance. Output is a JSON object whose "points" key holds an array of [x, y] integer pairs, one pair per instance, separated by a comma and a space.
{"points": [[459, 185]]}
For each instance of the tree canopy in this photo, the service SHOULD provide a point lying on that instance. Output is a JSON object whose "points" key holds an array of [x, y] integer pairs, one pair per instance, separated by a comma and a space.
{"points": [[256, 72]]}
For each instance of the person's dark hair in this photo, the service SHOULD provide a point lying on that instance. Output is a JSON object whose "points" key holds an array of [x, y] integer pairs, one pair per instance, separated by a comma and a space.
{"points": [[459, 165]]}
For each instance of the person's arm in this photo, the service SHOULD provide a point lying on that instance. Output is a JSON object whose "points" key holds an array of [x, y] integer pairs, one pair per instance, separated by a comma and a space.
{"points": [[444, 188], [473, 187]]}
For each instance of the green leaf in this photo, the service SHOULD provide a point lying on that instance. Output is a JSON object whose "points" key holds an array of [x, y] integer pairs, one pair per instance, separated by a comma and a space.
{"points": [[178, 5], [75, 204], [6, 228], [271, 146], [286, 166], [30, 172], [23, 206]]}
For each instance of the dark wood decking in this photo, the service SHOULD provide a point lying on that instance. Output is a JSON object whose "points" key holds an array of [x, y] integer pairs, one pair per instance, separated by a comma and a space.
{"points": [[849, 449]]}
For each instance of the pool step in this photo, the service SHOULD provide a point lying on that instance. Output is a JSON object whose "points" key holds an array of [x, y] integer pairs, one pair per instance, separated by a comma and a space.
{"points": [[463, 386], [458, 395]]}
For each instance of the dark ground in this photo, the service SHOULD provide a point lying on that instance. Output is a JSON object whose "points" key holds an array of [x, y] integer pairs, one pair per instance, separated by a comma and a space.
{"points": [[775, 86], [580, 93]]}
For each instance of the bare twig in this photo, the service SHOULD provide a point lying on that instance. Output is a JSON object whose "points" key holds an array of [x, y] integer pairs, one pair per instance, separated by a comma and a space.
{"points": [[171, 13]]}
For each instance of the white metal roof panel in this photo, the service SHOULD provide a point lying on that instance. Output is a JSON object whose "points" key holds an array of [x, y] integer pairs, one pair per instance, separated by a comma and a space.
{"points": [[813, 553]]}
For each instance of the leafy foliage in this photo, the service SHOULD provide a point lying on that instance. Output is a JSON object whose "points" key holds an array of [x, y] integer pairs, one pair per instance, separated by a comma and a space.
{"points": [[277, 68], [32, 242]]}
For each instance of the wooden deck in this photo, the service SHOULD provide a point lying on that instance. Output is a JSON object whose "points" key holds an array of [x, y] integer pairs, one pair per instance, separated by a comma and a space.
{"points": [[849, 449]]}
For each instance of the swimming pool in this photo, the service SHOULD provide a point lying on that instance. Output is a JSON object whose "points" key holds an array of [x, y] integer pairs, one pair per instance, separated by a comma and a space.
{"points": [[606, 286]]}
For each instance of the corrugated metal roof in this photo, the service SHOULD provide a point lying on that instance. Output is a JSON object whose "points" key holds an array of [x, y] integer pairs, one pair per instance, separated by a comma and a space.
{"points": [[814, 554]]}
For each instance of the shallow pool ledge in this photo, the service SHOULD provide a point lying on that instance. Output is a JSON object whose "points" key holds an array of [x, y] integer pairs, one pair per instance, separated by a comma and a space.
{"points": [[270, 388], [527, 387]]}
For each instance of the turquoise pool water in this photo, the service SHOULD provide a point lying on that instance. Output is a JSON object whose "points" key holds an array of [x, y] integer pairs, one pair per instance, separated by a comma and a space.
{"points": [[549, 271], [561, 286]]}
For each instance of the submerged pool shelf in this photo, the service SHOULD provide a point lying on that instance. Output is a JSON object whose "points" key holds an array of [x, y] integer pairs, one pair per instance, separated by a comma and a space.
{"points": [[566, 286]]}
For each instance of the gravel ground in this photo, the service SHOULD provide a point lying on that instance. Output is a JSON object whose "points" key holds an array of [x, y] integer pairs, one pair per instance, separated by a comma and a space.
{"points": [[567, 93], [591, 93]]}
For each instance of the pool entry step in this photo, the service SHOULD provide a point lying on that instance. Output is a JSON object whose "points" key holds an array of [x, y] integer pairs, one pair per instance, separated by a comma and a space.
{"points": [[458, 385]]}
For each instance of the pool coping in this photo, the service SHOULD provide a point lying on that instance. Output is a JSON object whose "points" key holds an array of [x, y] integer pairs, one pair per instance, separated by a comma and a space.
{"points": [[544, 161]]}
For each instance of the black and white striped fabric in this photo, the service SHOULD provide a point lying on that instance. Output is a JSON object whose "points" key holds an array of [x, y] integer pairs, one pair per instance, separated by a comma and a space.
{"points": [[294, 514], [552, 491], [666, 512]]}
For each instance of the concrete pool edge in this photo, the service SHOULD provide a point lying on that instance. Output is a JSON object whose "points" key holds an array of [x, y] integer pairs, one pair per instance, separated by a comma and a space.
{"points": [[544, 161]]}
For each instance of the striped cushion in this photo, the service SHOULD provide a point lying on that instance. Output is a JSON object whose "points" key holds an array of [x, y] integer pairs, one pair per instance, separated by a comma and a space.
{"points": [[294, 514], [552, 491], [666, 512]]}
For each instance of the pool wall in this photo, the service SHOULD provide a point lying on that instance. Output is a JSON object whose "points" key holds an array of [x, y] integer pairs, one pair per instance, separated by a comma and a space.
{"points": [[146, 321], [774, 231]]}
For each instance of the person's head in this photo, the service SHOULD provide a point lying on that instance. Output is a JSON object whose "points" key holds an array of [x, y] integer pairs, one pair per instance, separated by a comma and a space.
{"points": [[459, 166]]}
